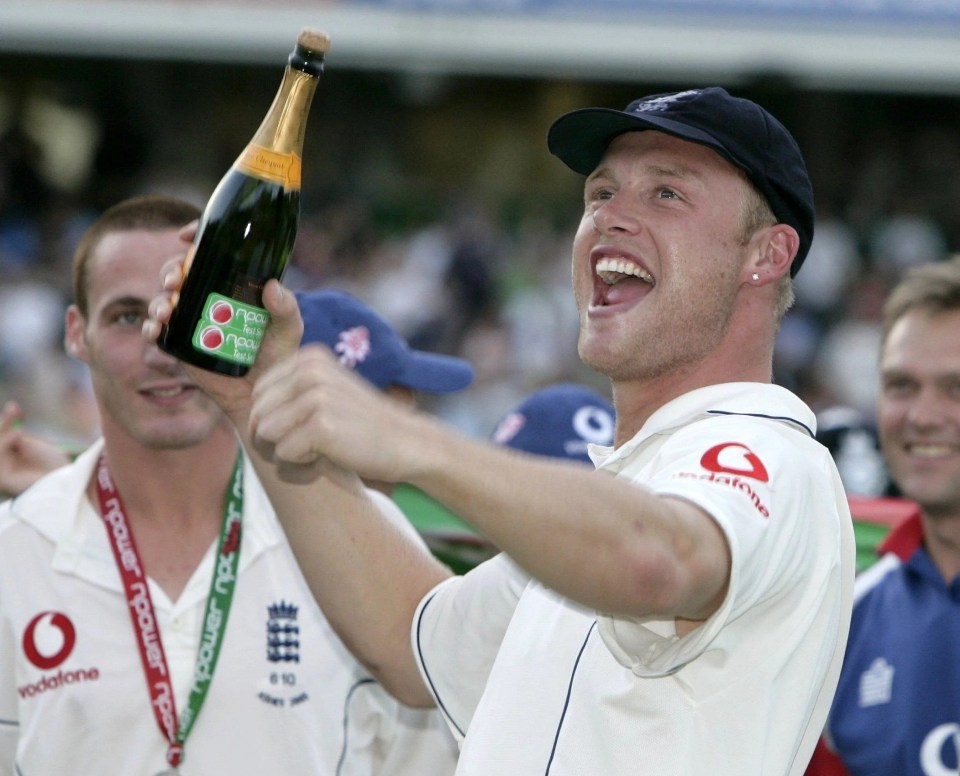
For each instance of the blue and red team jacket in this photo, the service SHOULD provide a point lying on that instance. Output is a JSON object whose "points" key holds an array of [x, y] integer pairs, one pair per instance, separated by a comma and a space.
{"points": [[897, 707]]}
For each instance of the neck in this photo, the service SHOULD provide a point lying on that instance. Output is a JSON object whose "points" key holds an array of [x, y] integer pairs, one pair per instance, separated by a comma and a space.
{"points": [[173, 500], [637, 400], [169, 484], [745, 354]]}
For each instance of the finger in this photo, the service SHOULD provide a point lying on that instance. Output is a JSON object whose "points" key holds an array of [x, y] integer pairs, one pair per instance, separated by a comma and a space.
{"points": [[285, 331], [188, 232], [284, 383], [158, 313], [293, 430], [161, 307], [10, 415], [294, 425], [171, 273], [299, 448]]}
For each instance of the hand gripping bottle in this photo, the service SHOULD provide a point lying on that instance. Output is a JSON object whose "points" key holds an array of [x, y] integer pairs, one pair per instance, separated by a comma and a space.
{"points": [[247, 231]]}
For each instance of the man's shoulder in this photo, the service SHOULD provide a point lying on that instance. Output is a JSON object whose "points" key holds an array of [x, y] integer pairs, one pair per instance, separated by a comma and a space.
{"points": [[870, 585], [51, 502]]}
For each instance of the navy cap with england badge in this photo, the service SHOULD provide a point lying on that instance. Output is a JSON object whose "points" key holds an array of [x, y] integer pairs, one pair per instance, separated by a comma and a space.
{"points": [[739, 130], [366, 343], [558, 421]]}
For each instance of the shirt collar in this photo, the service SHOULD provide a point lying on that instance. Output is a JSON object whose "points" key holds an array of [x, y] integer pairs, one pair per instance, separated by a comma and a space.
{"points": [[759, 400], [905, 538], [57, 507]]}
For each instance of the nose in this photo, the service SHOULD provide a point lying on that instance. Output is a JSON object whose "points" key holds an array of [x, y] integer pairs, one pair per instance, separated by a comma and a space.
{"points": [[926, 410], [158, 359], [614, 215]]}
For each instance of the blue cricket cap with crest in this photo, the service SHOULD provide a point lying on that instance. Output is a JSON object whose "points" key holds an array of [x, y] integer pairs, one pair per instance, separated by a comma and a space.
{"points": [[558, 421], [366, 343], [736, 128]]}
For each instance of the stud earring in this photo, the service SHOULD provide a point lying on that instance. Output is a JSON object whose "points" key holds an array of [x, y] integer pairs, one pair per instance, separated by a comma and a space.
{"points": [[755, 277]]}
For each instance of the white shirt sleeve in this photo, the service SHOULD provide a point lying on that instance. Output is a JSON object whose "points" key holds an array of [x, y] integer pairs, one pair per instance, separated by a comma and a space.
{"points": [[457, 632], [9, 715], [762, 514], [382, 737]]}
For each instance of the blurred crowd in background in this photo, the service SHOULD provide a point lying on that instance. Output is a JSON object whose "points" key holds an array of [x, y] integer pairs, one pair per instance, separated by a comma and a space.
{"points": [[437, 203]]}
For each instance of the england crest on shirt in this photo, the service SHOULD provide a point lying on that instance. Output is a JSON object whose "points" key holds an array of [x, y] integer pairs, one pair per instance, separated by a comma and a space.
{"points": [[283, 633]]}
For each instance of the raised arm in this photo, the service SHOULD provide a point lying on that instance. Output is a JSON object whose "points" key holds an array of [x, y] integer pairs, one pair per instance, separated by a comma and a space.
{"points": [[367, 572], [603, 542], [315, 427]]}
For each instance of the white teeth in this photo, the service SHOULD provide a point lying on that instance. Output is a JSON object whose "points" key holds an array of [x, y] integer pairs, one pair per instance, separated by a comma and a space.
{"points": [[931, 451], [167, 392], [611, 271]]}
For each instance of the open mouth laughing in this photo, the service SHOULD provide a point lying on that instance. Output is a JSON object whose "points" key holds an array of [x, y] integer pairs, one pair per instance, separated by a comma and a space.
{"points": [[622, 280]]}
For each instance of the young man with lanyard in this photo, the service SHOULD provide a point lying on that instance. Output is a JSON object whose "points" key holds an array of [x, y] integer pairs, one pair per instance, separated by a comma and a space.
{"points": [[897, 704], [152, 616], [683, 610]]}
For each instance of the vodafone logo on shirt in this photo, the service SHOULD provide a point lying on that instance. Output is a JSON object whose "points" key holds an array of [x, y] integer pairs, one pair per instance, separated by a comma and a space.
{"points": [[48, 640], [734, 458], [734, 465], [935, 750]]}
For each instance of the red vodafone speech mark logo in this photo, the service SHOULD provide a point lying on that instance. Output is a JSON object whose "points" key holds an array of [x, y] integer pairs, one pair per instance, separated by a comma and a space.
{"points": [[41, 629], [748, 465]]}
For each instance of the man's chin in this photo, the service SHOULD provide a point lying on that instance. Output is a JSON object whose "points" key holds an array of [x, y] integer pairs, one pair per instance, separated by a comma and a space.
{"points": [[597, 355], [174, 436]]}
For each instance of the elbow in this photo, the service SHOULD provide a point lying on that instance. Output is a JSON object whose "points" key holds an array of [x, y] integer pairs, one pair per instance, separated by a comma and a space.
{"points": [[653, 581], [675, 579], [658, 588]]}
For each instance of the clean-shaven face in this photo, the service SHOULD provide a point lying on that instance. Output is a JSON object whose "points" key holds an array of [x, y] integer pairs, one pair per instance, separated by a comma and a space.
{"points": [[918, 412], [141, 392], [657, 255]]}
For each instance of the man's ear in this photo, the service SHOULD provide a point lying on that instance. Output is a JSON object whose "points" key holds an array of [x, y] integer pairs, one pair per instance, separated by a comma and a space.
{"points": [[775, 253], [73, 339]]}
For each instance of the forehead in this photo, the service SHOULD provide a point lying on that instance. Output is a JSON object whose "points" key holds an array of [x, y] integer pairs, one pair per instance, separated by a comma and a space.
{"points": [[127, 264], [685, 155], [923, 341]]}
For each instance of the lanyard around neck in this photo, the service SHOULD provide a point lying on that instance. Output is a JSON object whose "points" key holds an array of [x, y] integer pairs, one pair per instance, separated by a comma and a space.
{"points": [[144, 618]]}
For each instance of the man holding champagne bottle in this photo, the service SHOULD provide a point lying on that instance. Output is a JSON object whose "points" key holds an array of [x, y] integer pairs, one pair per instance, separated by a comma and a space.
{"points": [[683, 610], [152, 616]]}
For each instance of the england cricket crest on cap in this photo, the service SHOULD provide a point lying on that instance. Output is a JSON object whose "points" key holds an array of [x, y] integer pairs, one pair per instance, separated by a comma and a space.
{"points": [[353, 346], [662, 101], [283, 633]]}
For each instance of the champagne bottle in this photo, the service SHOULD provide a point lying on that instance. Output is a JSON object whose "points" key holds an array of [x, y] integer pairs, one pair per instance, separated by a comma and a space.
{"points": [[247, 231]]}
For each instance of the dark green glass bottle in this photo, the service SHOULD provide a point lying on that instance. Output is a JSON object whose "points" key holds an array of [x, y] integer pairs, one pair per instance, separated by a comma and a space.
{"points": [[247, 231]]}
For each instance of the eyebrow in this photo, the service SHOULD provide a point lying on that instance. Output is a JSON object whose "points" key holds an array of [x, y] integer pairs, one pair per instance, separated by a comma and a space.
{"points": [[123, 301], [900, 372], [677, 171]]}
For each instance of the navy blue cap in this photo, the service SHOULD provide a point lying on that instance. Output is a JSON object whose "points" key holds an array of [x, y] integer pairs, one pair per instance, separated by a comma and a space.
{"points": [[739, 130], [558, 421], [366, 343]]}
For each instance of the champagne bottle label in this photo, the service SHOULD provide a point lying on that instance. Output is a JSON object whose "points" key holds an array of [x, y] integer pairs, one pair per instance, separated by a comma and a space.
{"points": [[271, 166], [230, 330]]}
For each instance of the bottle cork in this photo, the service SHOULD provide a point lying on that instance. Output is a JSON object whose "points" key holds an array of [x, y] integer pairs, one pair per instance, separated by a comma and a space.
{"points": [[314, 40]]}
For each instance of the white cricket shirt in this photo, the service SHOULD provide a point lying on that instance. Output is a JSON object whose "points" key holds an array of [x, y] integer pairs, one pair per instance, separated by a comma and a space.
{"points": [[533, 683], [286, 698]]}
